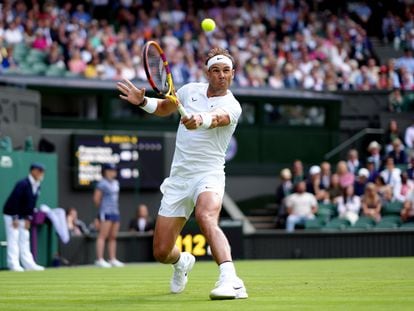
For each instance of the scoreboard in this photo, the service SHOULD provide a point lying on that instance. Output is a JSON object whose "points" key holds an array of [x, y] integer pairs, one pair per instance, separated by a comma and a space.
{"points": [[139, 160]]}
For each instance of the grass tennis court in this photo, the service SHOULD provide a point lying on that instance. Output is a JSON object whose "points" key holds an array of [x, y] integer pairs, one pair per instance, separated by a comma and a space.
{"points": [[345, 284]]}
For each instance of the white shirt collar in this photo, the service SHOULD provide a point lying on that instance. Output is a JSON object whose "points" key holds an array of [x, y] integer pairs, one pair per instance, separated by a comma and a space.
{"points": [[35, 184]]}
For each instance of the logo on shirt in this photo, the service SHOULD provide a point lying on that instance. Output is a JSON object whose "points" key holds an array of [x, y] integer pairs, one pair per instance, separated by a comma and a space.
{"points": [[193, 99]]}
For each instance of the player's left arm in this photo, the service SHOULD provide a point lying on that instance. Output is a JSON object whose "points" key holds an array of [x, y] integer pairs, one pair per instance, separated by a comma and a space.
{"points": [[208, 120]]}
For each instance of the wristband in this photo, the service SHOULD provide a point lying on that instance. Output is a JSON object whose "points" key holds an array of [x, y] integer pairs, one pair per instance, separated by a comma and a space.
{"points": [[151, 104], [207, 120]]}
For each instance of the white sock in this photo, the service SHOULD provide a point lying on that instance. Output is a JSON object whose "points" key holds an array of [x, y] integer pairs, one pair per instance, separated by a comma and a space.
{"points": [[178, 264], [227, 270]]}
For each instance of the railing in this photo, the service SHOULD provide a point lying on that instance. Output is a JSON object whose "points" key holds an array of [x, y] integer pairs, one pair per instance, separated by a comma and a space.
{"points": [[351, 140]]}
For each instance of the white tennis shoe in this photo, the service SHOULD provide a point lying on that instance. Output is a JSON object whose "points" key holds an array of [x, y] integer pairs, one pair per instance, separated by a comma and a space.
{"points": [[102, 263], [229, 289], [180, 275], [116, 263], [35, 267]]}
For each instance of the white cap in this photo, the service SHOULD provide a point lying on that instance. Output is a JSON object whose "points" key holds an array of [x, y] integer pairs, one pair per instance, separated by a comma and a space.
{"points": [[363, 172], [285, 173], [374, 145], [314, 170]]}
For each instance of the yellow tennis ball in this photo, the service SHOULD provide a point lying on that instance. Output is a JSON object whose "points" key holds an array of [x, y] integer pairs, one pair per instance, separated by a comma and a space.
{"points": [[208, 24]]}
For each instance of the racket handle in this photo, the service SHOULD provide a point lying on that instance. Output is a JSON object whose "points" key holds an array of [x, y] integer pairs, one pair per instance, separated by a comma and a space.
{"points": [[182, 111]]}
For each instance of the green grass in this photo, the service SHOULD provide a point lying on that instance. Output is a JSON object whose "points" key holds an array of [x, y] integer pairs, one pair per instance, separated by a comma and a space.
{"points": [[345, 284]]}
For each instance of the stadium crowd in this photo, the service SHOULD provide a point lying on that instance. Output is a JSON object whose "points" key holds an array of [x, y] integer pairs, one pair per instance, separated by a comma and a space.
{"points": [[357, 188], [277, 43]]}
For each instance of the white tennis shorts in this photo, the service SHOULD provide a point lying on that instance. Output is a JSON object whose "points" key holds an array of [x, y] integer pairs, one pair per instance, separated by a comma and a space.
{"points": [[180, 194]]}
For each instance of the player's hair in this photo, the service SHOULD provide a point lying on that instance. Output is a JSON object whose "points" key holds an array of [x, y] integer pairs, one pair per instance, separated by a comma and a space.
{"points": [[219, 51]]}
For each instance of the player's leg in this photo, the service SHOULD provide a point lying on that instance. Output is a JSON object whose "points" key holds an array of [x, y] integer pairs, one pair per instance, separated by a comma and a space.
{"points": [[166, 232], [104, 228], [12, 237], [113, 232], [207, 214]]}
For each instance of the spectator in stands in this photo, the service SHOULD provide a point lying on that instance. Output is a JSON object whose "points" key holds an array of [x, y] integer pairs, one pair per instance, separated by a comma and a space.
{"points": [[374, 149], [353, 162], [286, 187], [409, 138], [142, 222], [361, 181], [76, 226], [380, 185], [387, 196], [401, 191], [391, 174], [346, 178], [407, 213], [398, 154], [326, 174], [393, 132], [314, 183], [410, 170], [371, 203], [298, 172], [373, 173], [348, 205], [406, 61], [301, 206], [395, 101], [334, 189]]}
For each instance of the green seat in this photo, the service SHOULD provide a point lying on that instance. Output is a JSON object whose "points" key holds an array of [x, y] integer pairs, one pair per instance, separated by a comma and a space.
{"points": [[326, 211], [364, 223], [402, 167], [313, 224], [389, 222], [392, 208], [336, 224], [407, 225]]}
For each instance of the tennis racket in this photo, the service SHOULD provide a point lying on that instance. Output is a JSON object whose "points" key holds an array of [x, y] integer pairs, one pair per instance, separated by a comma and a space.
{"points": [[159, 74]]}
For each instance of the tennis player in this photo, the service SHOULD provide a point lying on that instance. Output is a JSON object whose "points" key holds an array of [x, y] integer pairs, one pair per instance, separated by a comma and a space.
{"points": [[197, 174]]}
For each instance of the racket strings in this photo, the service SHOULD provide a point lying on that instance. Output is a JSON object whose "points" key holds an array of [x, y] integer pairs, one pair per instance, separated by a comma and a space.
{"points": [[157, 69]]}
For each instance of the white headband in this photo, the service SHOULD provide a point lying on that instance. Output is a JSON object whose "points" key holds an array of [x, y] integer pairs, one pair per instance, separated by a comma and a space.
{"points": [[219, 59]]}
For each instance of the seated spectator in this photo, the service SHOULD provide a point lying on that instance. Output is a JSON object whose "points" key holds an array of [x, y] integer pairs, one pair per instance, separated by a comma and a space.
{"points": [[314, 185], [397, 152], [392, 133], [407, 213], [361, 181], [409, 137], [334, 189], [371, 203], [391, 174], [76, 226], [380, 185], [374, 149], [301, 206], [349, 205], [410, 170], [298, 172], [395, 101], [346, 178], [326, 174], [373, 173], [401, 191], [286, 187], [352, 162], [142, 222], [387, 196]]}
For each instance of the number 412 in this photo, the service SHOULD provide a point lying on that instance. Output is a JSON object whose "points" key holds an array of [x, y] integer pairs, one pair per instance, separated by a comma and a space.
{"points": [[194, 244]]}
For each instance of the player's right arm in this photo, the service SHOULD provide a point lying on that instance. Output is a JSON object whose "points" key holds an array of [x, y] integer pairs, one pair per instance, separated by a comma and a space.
{"points": [[136, 96]]}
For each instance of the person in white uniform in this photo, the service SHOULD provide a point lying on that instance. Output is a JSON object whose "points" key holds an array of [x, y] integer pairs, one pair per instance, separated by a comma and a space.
{"points": [[197, 178], [18, 213]]}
